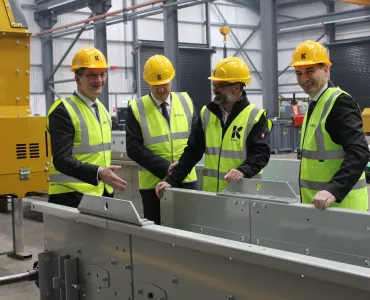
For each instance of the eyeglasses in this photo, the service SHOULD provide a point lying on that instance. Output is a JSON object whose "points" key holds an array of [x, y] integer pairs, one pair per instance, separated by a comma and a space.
{"points": [[93, 76], [223, 85]]}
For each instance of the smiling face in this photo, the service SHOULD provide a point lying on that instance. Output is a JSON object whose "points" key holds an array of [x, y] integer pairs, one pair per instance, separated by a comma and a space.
{"points": [[91, 82], [312, 78], [161, 92]]}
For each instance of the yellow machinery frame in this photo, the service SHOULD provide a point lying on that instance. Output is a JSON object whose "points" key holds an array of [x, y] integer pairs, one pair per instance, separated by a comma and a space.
{"points": [[25, 147]]}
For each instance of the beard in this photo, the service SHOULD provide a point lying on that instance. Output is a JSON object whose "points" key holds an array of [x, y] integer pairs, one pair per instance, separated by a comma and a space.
{"points": [[220, 99]]}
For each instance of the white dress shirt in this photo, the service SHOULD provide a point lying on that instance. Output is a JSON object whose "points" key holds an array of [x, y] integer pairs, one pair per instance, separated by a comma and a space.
{"points": [[88, 102], [158, 103], [317, 96]]}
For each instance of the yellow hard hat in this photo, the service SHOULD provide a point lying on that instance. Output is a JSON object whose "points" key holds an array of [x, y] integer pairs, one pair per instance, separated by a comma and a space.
{"points": [[231, 69], [310, 53], [89, 57], [158, 70]]}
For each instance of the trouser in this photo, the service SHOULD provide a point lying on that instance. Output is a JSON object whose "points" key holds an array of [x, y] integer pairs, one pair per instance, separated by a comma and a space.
{"points": [[71, 199], [151, 203]]}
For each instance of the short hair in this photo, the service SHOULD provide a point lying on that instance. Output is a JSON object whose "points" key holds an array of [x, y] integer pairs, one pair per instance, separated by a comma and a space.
{"points": [[79, 71]]}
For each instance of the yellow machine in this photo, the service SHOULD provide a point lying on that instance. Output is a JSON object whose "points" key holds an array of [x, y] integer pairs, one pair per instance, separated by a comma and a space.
{"points": [[366, 120], [25, 147]]}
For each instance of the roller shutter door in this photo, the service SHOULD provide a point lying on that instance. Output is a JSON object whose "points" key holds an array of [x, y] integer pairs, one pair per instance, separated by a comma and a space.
{"points": [[195, 68], [351, 70]]}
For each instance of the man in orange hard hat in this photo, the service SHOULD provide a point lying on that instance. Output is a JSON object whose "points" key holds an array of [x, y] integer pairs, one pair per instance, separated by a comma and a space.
{"points": [[157, 129], [333, 150], [231, 132], [80, 132]]}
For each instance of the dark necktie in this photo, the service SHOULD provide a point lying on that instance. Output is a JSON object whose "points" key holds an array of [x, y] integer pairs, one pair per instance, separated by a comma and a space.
{"points": [[165, 112], [95, 106], [311, 107]]}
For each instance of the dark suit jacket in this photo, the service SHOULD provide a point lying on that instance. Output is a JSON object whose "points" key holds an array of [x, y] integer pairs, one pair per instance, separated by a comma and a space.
{"points": [[62, 133]]}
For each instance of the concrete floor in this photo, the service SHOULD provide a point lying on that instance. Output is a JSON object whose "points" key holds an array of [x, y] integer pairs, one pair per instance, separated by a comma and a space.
{"points": [[34, 241]]}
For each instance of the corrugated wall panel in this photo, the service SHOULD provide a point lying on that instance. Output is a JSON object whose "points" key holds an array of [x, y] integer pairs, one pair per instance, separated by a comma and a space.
{"points": [[351, 70]]}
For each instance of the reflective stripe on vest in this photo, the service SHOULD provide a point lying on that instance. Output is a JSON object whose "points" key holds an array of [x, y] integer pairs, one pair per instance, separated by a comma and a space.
{"points": [[322, 158], [85, 148], [148, 140], [229, 154], [166, 141], [98, 154]]}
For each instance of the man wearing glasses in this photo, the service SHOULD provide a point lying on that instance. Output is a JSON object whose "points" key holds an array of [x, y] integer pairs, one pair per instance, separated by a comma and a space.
{"points": [[157, 129], [80, 133], [232, 132]]}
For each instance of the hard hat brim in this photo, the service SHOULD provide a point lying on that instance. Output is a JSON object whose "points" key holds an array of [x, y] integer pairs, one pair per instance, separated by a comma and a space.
{"points": [[245, 80], [309, 63], [159, 82]]}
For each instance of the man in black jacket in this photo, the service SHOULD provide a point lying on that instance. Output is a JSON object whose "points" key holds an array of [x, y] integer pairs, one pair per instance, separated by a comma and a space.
{"points": [[237, 127], [334, 151], [81, 154], [157, 128]]}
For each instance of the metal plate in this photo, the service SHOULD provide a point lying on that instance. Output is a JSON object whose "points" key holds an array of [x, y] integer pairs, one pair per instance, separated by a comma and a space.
{"points": [[111, 208], [190, 210], [335, 234], [187, 274], [274, 191]]}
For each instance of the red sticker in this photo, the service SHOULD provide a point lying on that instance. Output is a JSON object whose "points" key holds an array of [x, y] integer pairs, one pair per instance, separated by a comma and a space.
{"points": [[262, 135]]}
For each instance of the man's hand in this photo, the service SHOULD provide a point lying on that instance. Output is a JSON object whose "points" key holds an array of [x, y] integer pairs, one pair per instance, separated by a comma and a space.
{"points": [[172, 166], [234, 175], [323, 199], [108, 176], [161, 187]]}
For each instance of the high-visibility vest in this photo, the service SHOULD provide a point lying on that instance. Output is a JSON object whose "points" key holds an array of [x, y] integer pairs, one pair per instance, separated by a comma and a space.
{"points": [[91, 144], [228, 152], [322, 158], [165, 141]]}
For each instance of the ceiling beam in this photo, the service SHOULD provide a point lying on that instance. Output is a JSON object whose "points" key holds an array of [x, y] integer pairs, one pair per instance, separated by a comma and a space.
{"points": [[321, 20]]}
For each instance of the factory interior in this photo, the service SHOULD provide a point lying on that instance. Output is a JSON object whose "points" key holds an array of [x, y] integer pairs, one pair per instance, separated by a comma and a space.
{"points": [[254, 239]]}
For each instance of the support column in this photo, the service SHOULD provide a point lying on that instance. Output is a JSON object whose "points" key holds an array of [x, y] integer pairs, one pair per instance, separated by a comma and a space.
{"points": [[171, 41], [47, 57], [269, 57], [330, 28], [99, 7]]}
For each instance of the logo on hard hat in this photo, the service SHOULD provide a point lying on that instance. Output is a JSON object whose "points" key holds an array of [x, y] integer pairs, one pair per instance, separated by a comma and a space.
{"points": [[236, 134], [96, 57], [159, 76], [303, 56]]}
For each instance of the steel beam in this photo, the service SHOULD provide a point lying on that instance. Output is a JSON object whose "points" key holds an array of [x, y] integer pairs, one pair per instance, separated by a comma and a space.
{"points": [[247, 40], [330, 28], [47, 58], [321, 20], [207, 8], [252, 4], [99, 7], [171, 41], [290, 3], [250, 62], [55, 7], [269, 57]]}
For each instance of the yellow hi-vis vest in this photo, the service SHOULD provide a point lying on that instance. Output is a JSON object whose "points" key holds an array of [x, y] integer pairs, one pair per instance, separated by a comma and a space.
{"points": [[223, 154], [92, 144], [322, 158], [165, 141]]}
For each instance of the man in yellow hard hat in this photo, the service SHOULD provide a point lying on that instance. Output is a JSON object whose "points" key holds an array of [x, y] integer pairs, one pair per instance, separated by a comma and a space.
{"points": [[157, 129], [232, 132], [334, 151], [80, 132]]}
